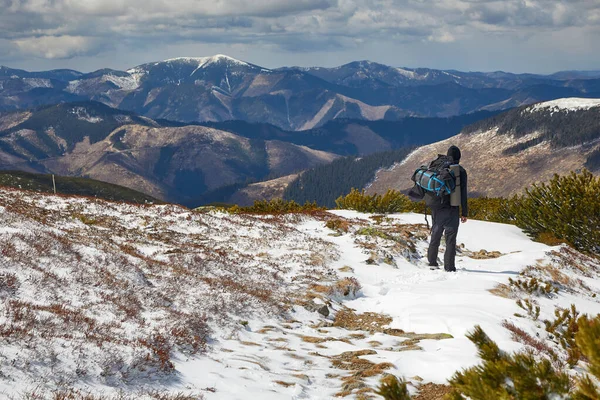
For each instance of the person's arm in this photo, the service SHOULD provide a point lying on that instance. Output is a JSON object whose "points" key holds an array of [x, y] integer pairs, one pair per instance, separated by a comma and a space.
{"points": [[463, 194]]}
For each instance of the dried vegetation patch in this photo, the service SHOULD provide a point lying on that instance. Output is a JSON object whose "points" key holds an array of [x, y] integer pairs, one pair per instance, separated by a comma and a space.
{"points": [[121, 289], [565, 271], [360, 368], [382, 238]]}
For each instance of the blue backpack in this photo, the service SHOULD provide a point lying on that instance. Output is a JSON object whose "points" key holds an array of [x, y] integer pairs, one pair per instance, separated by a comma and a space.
{"points": [[436, 178]]}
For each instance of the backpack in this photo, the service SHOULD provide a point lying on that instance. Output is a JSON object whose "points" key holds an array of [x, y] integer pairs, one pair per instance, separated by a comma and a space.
{"points": [[437, 178]]}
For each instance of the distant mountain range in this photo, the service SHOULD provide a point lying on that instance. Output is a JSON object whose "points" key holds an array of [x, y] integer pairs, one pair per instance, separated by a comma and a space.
{"points": [[221, 88], [190, 163]]}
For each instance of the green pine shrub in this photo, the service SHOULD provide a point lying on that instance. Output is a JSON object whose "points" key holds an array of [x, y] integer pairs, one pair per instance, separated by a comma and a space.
{"points": [[566, 208], [507, 376], [276, 206], [563, 330], [492, 209], [391, 202], [588, 341], [521, 376], [392, 388]]}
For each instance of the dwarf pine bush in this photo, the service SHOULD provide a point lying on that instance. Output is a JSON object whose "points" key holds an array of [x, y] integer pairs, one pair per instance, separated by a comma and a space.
{"points": [[521, 376], [567, 207], [507, 376], [391, 388], [588, 341], [391, 202], [276, 206], [491, 209]]}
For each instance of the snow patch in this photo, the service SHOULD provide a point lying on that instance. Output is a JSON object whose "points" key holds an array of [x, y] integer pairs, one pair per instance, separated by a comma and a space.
{"points": [[38, 83], [407, 73], [123, 82], [206, 61], [83, 115], [73, 86], [566, 104]]}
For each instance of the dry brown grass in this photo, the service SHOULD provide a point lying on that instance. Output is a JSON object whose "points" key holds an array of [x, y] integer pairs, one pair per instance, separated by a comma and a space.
{"points": [[314, 339], [357, 336], [338, 225], [360, 369], [345, 288], [502, 290], [74, 394], [285, 384], [248, 343], [519, 335], [266, 329], [369, 322], [549, 239], [125, 288], [432, 391], [482, 254]]}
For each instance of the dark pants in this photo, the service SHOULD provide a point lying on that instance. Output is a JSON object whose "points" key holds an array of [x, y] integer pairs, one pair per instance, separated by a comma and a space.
{"points": [[445, 220]]}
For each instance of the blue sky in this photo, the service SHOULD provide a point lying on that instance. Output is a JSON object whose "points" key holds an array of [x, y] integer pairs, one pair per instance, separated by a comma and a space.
{"points": [[540, 36]]}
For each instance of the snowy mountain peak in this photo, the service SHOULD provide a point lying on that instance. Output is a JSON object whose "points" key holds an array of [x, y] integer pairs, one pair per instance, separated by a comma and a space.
{"points": [[566, 104], [407, 73], [205, 61]]}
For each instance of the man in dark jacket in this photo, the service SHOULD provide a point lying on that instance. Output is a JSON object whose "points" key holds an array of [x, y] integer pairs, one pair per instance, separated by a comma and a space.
{"points": [[446, 219]]}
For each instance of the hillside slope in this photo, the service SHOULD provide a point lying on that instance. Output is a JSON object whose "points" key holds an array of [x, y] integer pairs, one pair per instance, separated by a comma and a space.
{"points": [[121, 300], [89, 139], [72, 186], [508, 152]]}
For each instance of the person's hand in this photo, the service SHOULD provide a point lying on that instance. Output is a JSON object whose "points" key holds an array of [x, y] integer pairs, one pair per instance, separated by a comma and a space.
{"points": [[463, 219]]}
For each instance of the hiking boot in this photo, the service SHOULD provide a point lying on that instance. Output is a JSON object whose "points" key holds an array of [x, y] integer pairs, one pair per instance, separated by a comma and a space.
{"points": [[450, 269]]}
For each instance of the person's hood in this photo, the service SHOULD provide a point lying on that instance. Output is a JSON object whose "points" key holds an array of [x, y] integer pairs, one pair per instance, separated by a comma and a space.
{"points": [[454, 152]]}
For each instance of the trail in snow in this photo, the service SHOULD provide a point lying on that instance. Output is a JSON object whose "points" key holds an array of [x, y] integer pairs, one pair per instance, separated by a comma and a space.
{"points": [[419, 300]]}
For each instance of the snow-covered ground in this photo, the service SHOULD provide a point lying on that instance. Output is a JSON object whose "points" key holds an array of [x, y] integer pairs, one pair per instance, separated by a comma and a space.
{"points": [[105, 297], [568, 104]]}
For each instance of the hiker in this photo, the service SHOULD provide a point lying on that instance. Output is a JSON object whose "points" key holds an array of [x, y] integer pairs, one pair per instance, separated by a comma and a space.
{"points": [[446, 218]]}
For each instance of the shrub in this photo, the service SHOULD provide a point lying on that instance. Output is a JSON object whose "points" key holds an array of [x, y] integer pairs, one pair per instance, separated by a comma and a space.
{"points": [[391, 202], [345, 288], [520, 376], [588, 341], [277, 206], [338, 225], [507, 376], [493, 209], [392, 388], [563, 331], [567, 207]]}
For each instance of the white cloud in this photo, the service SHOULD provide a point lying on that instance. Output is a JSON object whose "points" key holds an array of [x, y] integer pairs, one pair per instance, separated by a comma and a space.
{"points": [[56, 46], [70, 28]]}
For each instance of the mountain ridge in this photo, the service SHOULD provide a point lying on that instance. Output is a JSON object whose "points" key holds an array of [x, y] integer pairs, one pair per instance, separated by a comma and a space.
{"points": [[169, 163], [220, 88]]}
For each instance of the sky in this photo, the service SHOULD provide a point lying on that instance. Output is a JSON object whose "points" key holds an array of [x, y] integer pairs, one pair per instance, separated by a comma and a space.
{"points": [[538, 36]]}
